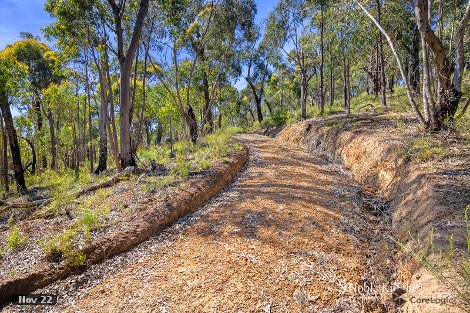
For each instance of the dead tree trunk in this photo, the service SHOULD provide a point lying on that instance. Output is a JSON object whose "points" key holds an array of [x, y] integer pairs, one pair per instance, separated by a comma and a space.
{"points": [[4, 164], [14, 145]]}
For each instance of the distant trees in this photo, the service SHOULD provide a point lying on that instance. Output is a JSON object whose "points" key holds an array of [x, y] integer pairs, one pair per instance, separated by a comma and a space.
{"points": [[440, 107], [128, 74]]}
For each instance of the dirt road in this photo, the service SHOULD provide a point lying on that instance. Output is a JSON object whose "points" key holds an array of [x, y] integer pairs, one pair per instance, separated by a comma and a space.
{"points": [[287, 236]]}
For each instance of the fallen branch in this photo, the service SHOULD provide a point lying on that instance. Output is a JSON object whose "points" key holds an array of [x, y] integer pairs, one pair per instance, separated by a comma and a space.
{"points": [[24, 205], [107, 183]]}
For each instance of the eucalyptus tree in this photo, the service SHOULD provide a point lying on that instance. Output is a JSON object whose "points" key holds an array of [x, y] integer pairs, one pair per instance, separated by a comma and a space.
{"points": [[84, 27], [448, 76], [12, 76], [125, 52], [199, 47], [287, 28], [318, 9], [44, 68], [441, 107], [254, 58]]}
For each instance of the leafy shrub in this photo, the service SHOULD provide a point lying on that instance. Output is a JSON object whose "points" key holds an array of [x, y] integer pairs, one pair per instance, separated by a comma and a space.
{"points": [[15, 238], [64, 245], [89, 220], [94, 212], [424, 148], [60, 245], [277, 118], [202, 160], [159, 182], [182, 167], [159, 153]]}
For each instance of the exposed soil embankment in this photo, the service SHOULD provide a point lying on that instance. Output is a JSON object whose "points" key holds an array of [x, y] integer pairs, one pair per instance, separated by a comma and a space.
{"points": [[153, 215], [421, 197]]}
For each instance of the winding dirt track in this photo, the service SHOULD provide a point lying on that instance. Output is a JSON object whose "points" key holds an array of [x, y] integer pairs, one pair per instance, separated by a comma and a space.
{"points": [[285, 237]]}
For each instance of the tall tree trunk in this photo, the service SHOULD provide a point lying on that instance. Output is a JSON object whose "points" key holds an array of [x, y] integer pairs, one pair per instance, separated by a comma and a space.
{"points": [[147, 132], [303, 96], [103, 124], [158, 138], [400, 65], [258, 99], [381, 58], [448, 91], [207, 112], [376, 71], [50, 119], [127, 155], [348, 80], [112, 132], [76, 153], [190, 118], [83, 149], [332, 81], [415, 70], [391, 84], [4, 165], [345, 84], [39, 123], [125, 64], [144, 98], [322, 89], [14, 145]]}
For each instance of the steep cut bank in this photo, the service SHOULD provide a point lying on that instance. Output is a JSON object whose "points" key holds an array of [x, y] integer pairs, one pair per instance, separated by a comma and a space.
{"points": [[422, 199]]}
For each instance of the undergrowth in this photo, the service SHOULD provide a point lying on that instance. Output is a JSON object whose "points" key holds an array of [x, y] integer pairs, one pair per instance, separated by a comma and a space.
{"points": [[425, 148], [189, 157], [14, 239], [64, 245]]}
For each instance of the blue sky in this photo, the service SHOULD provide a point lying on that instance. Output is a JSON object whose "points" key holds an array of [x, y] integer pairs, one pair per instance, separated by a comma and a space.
{"points": [[21, 16], [29, 16]]}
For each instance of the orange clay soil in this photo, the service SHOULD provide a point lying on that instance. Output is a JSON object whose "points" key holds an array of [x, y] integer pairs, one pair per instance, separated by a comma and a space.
{"points": [[285, 237]]}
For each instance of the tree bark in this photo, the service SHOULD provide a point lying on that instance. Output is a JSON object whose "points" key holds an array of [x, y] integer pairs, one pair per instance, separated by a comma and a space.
{"points": [[14, 145], [414, 70], [158, 138], [39, 124], [322, 89], [448, 90], [125, 64], [190, 118], [50, 119], [4, 165], [207, 112], [400, 65], [381, 58], [103, 124], [303, 87], [140, 136], [112, 132], [332, 81]]}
